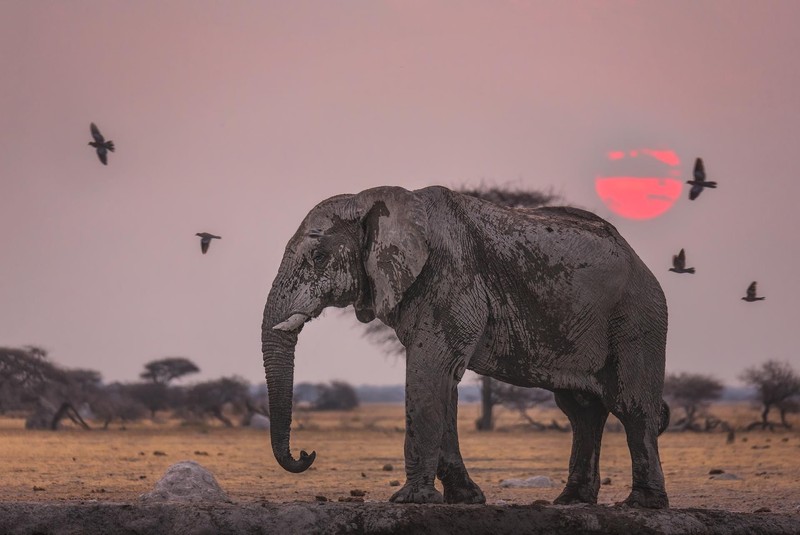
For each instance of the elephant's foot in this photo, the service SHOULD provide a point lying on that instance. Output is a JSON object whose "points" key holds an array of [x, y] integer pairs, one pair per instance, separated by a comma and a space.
{"points": [[649, 498], [467, 492], [411, 493], [576, 494]]}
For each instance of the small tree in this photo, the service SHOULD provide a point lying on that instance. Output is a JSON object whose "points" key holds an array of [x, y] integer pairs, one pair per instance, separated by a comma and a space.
{"points": [[691, 392], [154, 396], [776, 383], [337, 396], [116, 401], [164, 370], [211, 397], [788, 406], [24, 374], [305, 394], [521, 400]]}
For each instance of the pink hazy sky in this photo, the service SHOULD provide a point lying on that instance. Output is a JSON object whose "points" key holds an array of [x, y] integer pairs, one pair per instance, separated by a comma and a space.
{"points": [[236, 118]]}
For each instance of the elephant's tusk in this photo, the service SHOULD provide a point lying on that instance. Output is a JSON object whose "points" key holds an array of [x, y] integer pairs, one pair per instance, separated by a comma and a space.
{"points": [[292, 323]]}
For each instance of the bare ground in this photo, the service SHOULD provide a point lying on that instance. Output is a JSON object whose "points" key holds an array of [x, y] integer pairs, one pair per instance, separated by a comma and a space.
{"points": [[87, 476]]}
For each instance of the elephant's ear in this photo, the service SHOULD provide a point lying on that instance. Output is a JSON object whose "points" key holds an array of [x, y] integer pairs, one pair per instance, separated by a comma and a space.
{"points": [[395, 247]]}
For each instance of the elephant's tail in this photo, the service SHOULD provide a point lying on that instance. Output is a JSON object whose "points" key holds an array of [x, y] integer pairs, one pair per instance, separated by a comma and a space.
{"points": [[664, 417]]}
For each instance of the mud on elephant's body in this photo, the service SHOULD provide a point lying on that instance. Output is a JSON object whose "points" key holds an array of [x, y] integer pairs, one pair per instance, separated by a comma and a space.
{"points": [[548, 297]]}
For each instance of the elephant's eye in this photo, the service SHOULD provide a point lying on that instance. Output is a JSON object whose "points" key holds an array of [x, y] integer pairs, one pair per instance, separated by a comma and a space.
{"points": [[319, 257]]}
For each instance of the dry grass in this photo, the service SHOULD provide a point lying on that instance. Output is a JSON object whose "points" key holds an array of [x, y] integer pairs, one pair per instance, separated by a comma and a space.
{"points": [[352, 448]]}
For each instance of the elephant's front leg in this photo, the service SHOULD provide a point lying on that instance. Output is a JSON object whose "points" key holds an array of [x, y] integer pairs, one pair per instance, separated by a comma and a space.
{"points": [[458, 486], [425, 412], [433, 369]]}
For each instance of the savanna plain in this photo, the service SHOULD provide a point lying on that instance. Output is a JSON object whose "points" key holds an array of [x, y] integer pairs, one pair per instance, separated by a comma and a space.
{"points": [[362, 450]]}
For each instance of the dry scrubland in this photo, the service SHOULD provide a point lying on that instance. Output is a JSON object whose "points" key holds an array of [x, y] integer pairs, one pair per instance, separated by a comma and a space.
{"points": [[353, 447]]}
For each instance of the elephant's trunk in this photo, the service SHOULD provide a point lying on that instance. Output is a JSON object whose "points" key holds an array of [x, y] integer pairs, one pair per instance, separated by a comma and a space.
{"points": [[278, 347]]}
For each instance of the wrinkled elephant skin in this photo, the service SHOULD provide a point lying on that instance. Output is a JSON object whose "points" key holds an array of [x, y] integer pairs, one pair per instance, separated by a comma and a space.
{"points": [[548, 297]]}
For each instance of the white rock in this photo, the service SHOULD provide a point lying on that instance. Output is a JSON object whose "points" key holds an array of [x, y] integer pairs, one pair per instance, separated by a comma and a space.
{"points": [[535, 482], [186, 481]]}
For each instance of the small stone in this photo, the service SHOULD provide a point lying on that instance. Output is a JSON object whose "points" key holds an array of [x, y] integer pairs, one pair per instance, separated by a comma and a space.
{"points": [[321, 498], [142, 477], [203, 453], [37, 489], [725, 477], [158, 453], [606, 481], [358, 492], [763, 510], [540, 502], [715, 471], [784, 439], [531, 482], [141, 453], [744, 439], [363, 474], [388, 467], [394, 483]]}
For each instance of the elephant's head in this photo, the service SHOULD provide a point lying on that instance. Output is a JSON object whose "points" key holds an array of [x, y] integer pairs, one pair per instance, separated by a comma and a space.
{"points": [[365, 250]]}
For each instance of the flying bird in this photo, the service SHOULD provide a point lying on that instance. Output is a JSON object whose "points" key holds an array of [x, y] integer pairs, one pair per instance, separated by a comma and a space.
{"points": [[101, 144], [751, 294], [205, 240], [699, 181], [679, 263]]}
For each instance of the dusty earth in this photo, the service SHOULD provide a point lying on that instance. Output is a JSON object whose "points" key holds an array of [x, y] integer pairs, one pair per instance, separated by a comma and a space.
{"points": [[363, 451]]}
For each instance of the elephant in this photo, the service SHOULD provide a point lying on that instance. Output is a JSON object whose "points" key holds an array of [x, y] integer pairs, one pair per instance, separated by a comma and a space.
{"points": [[551, 297]]}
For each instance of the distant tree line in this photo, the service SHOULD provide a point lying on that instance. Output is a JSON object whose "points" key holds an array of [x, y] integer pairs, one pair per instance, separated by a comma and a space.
{"points": [[333, 396], [33, 386], [776, 386]]}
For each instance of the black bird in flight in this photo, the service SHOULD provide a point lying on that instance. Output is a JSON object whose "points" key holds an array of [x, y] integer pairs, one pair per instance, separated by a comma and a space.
{"points": [[205, 240], [751, 294], [679, 263], [101, 144], [699, 181]]}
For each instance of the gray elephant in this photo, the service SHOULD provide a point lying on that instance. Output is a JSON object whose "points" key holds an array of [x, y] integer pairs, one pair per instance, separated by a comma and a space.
{"points": [[547, 297]]}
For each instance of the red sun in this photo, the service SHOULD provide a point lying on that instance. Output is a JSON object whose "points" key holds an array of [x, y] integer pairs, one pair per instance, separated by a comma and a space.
{"points": [[640, 184]]}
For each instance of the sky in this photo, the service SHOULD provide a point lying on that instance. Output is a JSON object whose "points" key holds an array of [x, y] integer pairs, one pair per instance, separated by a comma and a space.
{"points": [[236, 118]]}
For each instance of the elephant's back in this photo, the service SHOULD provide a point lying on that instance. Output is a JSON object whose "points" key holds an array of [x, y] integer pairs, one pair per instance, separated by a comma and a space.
{"points": [[571, 217]]}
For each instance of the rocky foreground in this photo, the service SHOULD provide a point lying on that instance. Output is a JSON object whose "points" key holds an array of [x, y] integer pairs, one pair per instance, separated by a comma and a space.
{"points": [[189, 500], [334, 517]]}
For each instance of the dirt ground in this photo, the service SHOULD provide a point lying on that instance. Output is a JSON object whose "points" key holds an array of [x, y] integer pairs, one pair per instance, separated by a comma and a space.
{"points": [[120, 464]]}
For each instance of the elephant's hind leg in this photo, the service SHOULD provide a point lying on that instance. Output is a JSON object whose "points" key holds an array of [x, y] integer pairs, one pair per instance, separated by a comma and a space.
{"points": [[648, 479], [588, 415], [458, 486], [638, 347]]}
